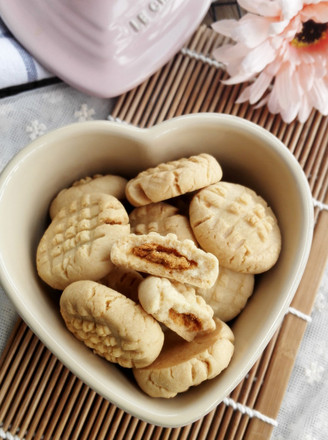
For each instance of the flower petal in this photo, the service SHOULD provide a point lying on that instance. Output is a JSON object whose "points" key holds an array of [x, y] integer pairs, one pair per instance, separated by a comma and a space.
{"points": [[306, 76], [290, 8], [261, 7], [290, 113], [239, 78], [231, 55], [287, 87], [273, 102], [258, 58], [274, 67], [276, 27], [244, 96], [304, 56], [320, 67], [319, 96], [225, 27], [258, 88], [251, 30], [318, 12], [263, 101], [305, 109]]}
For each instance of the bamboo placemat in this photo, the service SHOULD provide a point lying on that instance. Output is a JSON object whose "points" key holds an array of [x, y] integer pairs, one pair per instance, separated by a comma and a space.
{"points": [[40, 398]]}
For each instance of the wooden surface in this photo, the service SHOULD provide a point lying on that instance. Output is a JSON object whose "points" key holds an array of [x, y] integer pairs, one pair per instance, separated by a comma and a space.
{"points": [[40, 398]]}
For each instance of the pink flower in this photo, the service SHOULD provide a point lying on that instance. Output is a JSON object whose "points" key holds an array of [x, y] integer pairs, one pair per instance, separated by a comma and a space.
{"points": [[282, 49]]}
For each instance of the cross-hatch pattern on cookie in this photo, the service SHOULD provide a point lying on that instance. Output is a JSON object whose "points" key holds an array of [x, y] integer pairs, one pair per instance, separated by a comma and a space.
{"points": [[99, 337], [79, 228], [167, 257]]}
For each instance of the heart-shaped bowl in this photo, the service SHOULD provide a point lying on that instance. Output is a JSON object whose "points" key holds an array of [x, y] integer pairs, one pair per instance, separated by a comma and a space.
{"points": [[248, 155]]}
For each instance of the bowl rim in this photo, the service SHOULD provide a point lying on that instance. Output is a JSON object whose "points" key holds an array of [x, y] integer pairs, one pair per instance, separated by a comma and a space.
{"points": [[149, 133]]}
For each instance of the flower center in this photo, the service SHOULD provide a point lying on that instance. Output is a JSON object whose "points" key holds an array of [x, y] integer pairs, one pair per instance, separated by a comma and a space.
{"points": [[311, 33]]}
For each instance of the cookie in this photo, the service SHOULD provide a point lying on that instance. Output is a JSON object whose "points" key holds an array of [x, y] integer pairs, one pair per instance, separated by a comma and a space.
{"points": [[177, 306], [166, 256], [173, 179], [162, 218], [112, 325], [124, 281], [108, 184], [77, 243], [235, 224], [229, 294], [183, 364]]}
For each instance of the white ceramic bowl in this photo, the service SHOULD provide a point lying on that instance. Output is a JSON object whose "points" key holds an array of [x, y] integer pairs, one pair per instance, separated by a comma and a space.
{"points": [[248, 154]]}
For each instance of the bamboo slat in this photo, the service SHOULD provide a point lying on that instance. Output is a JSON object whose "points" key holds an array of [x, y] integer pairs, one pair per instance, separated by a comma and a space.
{"points": [[40, 398]]}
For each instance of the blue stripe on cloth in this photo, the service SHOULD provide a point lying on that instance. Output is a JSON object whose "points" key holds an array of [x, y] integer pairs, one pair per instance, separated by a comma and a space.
{"points": [[4, 32], [25, 56], [3, 28]]}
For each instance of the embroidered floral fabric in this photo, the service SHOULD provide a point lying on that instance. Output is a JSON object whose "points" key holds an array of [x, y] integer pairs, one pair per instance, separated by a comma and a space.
{"points": [[304, 411]]}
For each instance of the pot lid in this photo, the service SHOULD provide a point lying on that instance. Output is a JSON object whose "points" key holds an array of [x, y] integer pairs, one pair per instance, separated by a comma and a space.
{"points": [[103, 47]]}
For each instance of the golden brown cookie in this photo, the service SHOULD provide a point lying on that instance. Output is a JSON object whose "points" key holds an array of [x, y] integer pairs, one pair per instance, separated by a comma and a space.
{"points": [[112, 325], [162, 218], [166, 256], [229, 294], [124, 281], [77, 243], [183, 364], [177, 306], [108, 184], [235, 224], [173, 179]]}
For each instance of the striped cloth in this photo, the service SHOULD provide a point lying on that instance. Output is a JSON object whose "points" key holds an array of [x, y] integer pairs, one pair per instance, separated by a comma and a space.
{"points": [[17, 66]]}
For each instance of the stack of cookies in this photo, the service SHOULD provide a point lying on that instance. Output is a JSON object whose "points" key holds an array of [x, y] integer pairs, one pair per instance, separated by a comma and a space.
{"points": [[152, 270]]}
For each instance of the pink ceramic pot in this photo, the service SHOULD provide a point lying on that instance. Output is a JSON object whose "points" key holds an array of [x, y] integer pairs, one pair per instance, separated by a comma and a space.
{"points": [[103, 47]]}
